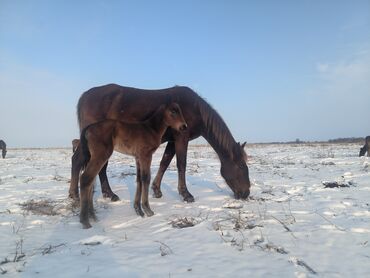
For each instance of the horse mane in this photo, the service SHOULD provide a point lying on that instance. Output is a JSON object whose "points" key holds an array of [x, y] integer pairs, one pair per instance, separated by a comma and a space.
{"points": [[216, 129]]}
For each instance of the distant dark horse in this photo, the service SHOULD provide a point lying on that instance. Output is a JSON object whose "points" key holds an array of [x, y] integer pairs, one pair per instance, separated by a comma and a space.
{"points": [[75, 143], [366, 148], [3, 148], [136, 105]]}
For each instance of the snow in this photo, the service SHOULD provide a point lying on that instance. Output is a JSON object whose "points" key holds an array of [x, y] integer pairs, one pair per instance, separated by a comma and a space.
{"points": [[291, 226]]}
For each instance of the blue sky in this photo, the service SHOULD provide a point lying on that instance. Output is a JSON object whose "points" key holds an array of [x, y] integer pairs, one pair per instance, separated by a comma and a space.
{"points": [[274, 70]]}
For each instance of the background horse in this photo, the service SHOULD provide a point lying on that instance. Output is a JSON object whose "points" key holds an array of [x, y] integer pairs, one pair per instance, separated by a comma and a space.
{"points": [[135, 105], [139, 140], [366, 148], [3, 148], [75, 143]]}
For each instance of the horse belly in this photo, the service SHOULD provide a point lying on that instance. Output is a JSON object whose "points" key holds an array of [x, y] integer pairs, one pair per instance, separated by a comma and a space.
{"points": [[124, 147]]}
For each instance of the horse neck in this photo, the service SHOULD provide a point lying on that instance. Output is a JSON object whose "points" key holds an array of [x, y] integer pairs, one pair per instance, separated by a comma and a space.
{"points": [[157, 123], [224, 154]]}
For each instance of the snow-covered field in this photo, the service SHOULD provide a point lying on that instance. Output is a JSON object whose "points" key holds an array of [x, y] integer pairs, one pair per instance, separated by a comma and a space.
{"points": [[292, 226]]}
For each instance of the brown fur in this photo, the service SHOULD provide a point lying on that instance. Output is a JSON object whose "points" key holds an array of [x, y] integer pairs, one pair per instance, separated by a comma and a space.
{"points": [[134, 105], [98, 141]]}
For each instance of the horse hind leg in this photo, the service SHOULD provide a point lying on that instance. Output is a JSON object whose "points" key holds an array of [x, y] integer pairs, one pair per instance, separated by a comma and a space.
{"points": [[181, 146], [87, 189], [105, 187], [86, 199], [166, 160], [91, 210]]}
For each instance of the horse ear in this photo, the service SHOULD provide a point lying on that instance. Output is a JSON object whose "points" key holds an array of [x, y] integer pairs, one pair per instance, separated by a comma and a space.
{"points": [[243, 145]]}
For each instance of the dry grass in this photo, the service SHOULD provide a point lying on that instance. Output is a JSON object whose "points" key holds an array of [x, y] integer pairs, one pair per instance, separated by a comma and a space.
{"points": [[45, 207]]}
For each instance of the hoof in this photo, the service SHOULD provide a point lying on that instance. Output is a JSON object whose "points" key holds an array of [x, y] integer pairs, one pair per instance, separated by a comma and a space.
{"points": [[187, 196], [93, 216], [157, 193], [114, 198], [86, 225], [139, 212], [74, 197], [148, 211]]}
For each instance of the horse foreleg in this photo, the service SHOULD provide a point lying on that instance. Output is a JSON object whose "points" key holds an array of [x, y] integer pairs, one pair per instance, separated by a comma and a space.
{"points": [[181, 147], [145, 181], [105, 187], [168, 154], [137, 204]]}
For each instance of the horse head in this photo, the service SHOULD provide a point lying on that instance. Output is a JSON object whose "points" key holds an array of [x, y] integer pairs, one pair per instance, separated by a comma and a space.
{"points": [[235, 172], [173, 117]]}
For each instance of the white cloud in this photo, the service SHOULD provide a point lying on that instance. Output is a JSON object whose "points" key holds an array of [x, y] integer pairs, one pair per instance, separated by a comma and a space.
{"points": [[350, 76], [322, 68], [337, 104]]}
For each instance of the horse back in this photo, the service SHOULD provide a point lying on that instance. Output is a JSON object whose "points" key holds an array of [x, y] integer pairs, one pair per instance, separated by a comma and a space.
{"points": [[132, 105]]}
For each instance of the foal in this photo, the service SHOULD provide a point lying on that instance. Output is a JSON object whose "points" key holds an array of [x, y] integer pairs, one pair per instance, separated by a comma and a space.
{"points": [[98, 141]]}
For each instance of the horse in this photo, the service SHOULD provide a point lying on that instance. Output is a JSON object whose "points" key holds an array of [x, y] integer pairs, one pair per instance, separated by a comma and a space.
{"points": [[366, 148], [98, 141], [134, 105], [3, 148], [75, 143]]}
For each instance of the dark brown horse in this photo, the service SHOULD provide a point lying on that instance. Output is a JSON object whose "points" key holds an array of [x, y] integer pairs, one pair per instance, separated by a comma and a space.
{"points": [[366, 148], [3, 148], [135, 105], [98, 141]]}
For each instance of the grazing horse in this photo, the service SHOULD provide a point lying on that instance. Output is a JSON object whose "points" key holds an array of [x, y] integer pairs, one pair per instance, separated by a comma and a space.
{"points": [[75, 143], [3, 148], [366, 148], [98, 141], [135, 105]]}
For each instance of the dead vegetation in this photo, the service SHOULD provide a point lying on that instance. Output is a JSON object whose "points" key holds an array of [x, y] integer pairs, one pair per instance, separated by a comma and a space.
{"points": [[335, 184], [51, 248], [183, 222], [48, 207]]}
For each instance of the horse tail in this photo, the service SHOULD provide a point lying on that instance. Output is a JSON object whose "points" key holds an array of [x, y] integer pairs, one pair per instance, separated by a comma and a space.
{"points": [[79, 104], [85, 152]]}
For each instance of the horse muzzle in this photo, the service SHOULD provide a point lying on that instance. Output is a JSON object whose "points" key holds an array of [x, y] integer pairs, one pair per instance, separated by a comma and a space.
{"points": [[183, 127], [242, 195]]}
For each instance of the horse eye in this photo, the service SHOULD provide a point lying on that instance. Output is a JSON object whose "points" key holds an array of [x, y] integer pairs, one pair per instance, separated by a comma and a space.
{"points": [[173, 112]]}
